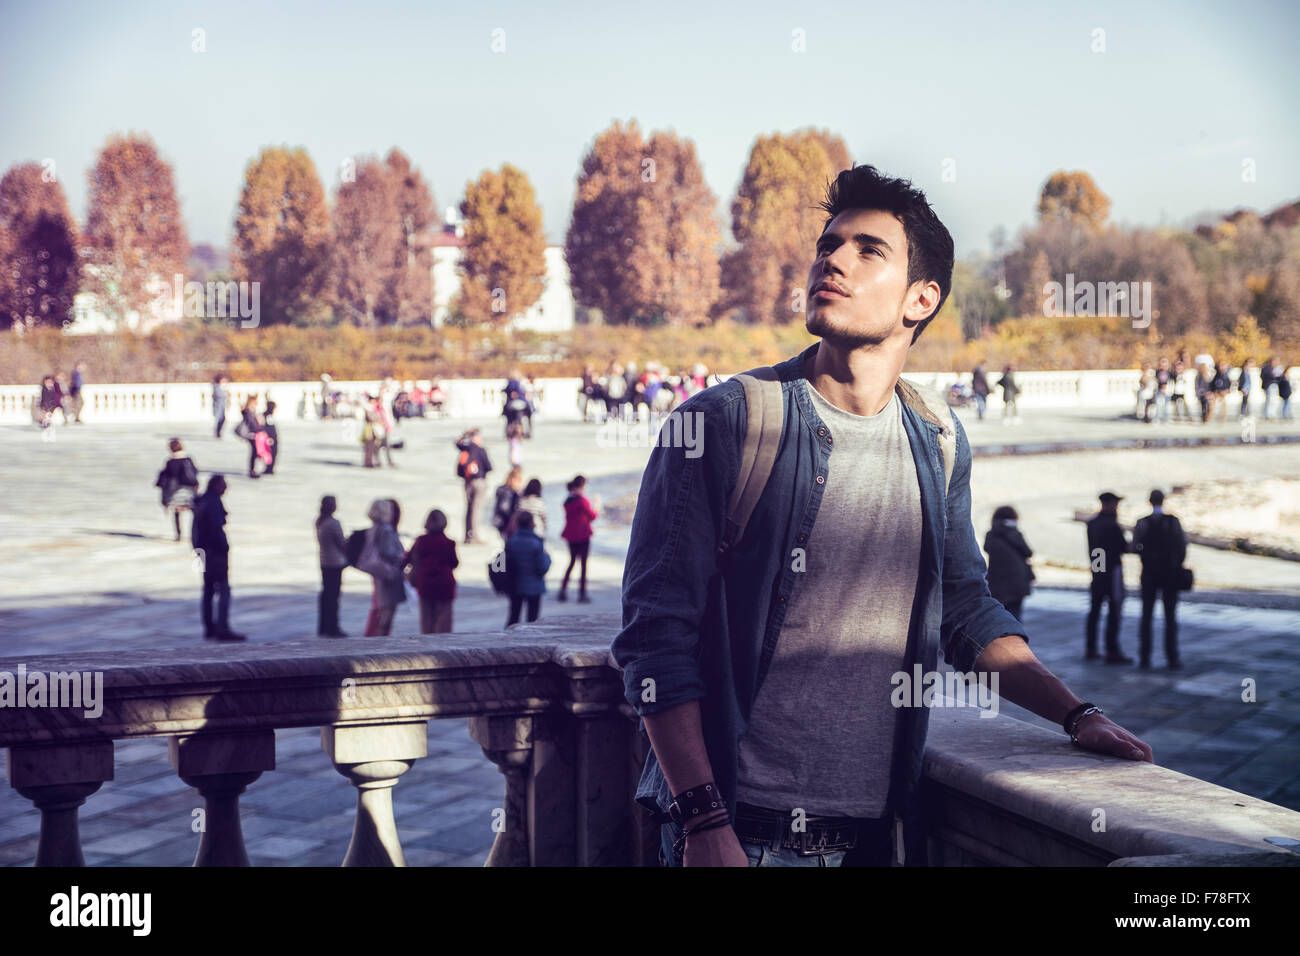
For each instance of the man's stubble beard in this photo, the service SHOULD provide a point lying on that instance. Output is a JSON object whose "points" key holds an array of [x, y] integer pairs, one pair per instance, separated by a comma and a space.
{"points": [[820, 324]]}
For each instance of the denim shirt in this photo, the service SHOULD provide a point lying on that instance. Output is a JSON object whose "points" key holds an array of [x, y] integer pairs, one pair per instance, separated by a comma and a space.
{"points": [[695, 628]]}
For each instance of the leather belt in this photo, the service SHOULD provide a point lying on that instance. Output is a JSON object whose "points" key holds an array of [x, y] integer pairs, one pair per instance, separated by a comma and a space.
{"points": [[773, 828]]}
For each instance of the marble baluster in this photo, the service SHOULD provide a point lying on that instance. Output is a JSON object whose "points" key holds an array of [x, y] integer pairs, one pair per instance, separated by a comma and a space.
{"points": [[508, 743], [220, 766], [58, 778], [372, 757]]}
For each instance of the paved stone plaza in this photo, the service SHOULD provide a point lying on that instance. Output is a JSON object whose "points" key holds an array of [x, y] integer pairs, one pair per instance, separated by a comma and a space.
{"points": [[90, 564]]}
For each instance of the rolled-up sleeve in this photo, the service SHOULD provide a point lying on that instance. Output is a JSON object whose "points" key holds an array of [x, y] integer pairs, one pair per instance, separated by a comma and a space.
{"points": [[972, 617], [672, 556]]}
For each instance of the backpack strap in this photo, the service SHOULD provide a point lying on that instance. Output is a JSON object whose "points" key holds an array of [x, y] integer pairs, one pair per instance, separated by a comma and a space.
{"points": [[931, 406], [765, 419]]}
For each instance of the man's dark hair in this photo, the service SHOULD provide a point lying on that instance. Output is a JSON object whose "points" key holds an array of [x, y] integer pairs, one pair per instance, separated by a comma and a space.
{"points": [[524, 520], [929, 244]]}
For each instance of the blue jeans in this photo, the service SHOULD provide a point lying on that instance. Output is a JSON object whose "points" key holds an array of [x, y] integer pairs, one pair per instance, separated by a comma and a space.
{"points": [[760, 855], [981, 403]]}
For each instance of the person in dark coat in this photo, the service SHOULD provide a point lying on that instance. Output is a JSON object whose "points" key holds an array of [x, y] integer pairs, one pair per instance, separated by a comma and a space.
{"points": [[78, 401], [333, 559], [1107, 546], [51, 399], [507, 501], [1160, 540], [1009, 574], [268, 426], [208, 536], [431, 561], [527, 563], [1010, 395], [179, 481], [472, 466], [979, 384]]}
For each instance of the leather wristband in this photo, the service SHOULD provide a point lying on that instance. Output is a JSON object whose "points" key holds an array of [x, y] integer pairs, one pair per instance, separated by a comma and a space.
{"points": [[696, 802], [1072, 719]]}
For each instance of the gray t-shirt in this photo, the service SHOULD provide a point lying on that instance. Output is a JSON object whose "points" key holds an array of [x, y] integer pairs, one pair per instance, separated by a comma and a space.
{"points": [[821, 734]]}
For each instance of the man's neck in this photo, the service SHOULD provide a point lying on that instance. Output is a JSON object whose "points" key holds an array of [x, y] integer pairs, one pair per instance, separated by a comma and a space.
{"points": [[860, 380]]}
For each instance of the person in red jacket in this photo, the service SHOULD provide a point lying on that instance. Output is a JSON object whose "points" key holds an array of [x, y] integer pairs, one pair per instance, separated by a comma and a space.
{"points": [[430, 561], [578, 516]]}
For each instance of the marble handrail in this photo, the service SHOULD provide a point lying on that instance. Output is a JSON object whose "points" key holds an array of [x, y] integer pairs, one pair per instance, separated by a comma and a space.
{"points": [[537, 691], [545, 703]]}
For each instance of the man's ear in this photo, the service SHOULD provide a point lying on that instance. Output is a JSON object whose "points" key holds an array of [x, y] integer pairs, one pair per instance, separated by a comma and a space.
{"points": [[922, 298]]}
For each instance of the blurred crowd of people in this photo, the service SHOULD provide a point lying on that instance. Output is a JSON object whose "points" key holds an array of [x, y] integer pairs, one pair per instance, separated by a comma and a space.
{"points": [[627, 389], [1166, 390]]}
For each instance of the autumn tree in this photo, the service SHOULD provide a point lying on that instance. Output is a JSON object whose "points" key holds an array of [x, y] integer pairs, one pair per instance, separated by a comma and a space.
{"points": [[776, 219], [1073, 197], [282, 235], [503, 264], [675, 261], [410, 297], [39, 265], [134, 235], [1032, 296], [366, 246], [606, 224]]}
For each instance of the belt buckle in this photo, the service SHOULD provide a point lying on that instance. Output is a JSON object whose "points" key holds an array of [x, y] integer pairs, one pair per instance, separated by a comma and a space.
{"points": [[823, 844]]}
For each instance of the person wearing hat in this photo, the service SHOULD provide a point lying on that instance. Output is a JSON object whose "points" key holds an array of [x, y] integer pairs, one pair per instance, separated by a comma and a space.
{"points": [[1160, 540], [1106, 548]]}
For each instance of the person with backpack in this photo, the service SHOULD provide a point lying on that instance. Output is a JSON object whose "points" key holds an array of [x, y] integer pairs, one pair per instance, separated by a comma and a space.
{"points": [[472, 466], [1162, 544], [579, 513], [208, 538], [783, 577], [179, 481], [1010, 576], [507, 501], [431, 561], [383, 558], [527, 563], [333, 559]]}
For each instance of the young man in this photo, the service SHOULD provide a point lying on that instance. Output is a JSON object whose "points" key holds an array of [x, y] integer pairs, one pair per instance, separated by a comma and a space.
{"points": [[855, 557], [1160, 540]]}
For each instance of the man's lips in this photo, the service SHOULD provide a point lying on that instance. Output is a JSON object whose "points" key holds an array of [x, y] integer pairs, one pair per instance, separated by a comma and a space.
{"points": [[829, 292]]}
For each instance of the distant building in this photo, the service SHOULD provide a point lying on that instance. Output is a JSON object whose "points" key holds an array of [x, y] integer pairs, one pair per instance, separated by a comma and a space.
{"points": [[89, 316], [553, 312]]}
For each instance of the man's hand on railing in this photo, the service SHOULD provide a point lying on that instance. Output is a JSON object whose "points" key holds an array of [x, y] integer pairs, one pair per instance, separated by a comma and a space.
{"points": [[1098, 732]]}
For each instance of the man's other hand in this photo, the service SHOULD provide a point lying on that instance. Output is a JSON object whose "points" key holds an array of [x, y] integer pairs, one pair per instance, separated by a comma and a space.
{"points": [[1097, 732]]}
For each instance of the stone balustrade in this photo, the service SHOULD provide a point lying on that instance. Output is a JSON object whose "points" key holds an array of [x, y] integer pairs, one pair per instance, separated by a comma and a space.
{"points": [[545, 703]]}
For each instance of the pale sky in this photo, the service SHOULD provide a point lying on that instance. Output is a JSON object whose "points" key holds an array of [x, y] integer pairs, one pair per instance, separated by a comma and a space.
{"points": [[1183, 94]]}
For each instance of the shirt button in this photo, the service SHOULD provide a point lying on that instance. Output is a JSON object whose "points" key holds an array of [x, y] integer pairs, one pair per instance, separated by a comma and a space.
{"points": [[821, 480], [822, 432], [801, 539]]}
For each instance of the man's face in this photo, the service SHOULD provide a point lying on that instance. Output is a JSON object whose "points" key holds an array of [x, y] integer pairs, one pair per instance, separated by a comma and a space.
{"points": [[864, 252]]}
